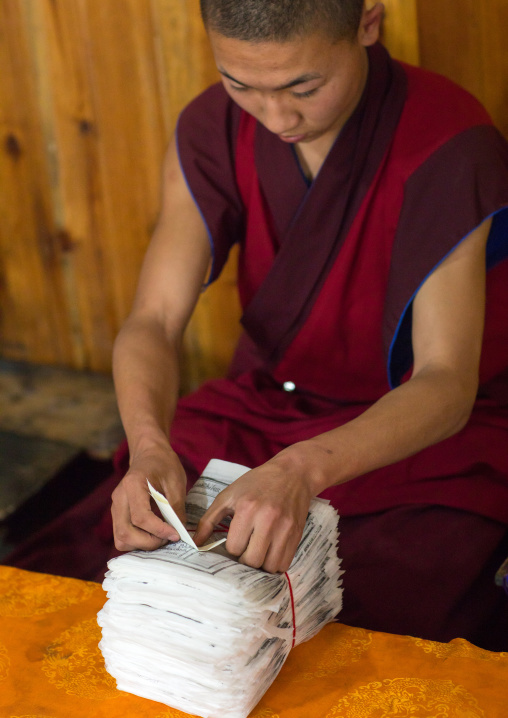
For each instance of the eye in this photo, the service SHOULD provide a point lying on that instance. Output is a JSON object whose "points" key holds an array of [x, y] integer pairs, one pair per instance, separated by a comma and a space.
{"points": [[238, 88], [309, 93]]}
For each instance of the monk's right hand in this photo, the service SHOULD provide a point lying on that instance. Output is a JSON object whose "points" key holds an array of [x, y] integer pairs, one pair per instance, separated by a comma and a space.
{"points": [[135, 526]]}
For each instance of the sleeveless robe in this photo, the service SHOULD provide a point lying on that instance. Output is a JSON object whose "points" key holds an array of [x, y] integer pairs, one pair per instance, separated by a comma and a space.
{"points": [[328, 273]]}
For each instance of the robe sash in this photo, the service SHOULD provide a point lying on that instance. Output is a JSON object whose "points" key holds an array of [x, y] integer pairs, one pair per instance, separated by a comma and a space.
{"points": [[299, 270]]}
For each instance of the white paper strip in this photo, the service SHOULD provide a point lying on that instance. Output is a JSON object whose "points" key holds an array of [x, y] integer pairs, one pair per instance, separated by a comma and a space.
{"points": [[172, 519]]}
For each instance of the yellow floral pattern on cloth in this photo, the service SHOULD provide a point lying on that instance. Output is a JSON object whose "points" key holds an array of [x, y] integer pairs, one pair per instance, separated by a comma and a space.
{"points": [[354, 642], [4, 662], [458, 648], [24, 594], [74, 663], [51, 667], [173, 713], [408, 698]]}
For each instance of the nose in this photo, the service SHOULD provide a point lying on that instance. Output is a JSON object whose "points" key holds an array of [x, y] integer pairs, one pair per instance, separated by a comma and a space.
{"points": [[278, 117]]}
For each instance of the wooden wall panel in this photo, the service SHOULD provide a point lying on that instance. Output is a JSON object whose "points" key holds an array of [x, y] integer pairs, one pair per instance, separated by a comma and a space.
{"points": [[122, 72], [31, 281], [466, 41], [67, 117], [185, 60], [400, 30], [89, 95]]}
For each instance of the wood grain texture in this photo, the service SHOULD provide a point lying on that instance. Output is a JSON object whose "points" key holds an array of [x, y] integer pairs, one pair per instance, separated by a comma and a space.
{"points": [[89, 95], [466, 41], [400, 30], [32, 322]]}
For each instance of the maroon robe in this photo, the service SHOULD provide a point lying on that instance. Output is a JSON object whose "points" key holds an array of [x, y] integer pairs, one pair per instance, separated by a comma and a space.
{"points": [[327, 283], [327, 275]]}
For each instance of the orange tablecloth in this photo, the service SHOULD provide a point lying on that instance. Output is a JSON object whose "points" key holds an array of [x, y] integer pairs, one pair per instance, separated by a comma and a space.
{"points": [[51, 667]]}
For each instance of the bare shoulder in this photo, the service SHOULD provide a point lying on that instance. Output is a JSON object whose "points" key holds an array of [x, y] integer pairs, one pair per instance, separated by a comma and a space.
{"points": [[473, 246], [448, 311]]}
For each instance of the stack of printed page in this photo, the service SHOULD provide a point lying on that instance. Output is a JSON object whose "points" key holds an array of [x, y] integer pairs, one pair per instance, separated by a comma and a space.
{"points": [[202, 633]]}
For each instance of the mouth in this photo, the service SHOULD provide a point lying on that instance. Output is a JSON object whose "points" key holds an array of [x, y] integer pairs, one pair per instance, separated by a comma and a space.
{"points": [[292, 138]]}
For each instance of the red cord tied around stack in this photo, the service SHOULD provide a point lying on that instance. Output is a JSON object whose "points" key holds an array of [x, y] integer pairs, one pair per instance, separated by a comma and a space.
{"points": [[291, 595], [224, 529]]}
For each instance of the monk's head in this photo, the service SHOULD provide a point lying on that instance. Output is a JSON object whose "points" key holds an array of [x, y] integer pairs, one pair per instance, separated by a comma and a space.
{"points": [[297, 66], [282, 20]]}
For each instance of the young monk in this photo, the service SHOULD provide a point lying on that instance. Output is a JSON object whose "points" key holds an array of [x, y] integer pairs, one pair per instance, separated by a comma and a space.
{"points": [[363, 195], [366, 196]]}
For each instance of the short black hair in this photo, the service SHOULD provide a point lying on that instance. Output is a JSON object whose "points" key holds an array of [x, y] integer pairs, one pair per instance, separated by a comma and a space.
{"points": [[282, 20]]}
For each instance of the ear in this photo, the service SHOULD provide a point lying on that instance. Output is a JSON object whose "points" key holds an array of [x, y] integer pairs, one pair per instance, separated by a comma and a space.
{"points": [[370, 25]]}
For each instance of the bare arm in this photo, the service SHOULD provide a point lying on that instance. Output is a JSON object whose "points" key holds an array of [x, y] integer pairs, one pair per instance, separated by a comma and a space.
{"points": [[270, 503], [145, 362]]}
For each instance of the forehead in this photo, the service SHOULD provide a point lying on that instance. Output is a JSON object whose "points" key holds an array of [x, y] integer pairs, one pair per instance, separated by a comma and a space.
{"points": [[275, 63]]}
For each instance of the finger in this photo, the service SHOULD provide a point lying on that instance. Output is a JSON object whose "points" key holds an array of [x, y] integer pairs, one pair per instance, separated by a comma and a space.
{"points": [[127, 535], [142, 516], [209, 520], [239, 536], [288, 556], [290, 546], [257, 548], [280, 555], [136, 539], [285, 535]]}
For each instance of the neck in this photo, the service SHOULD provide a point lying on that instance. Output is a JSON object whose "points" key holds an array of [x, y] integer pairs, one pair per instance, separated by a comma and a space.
{"points": [[313, 154]]}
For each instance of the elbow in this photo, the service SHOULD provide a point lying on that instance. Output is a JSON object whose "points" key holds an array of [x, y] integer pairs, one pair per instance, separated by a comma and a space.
{"points": [[460, 420], [462, 400], [450, 398]]}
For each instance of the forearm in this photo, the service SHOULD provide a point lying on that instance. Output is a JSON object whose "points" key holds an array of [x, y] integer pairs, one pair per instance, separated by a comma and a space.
{"points": [[146, 374], [145, 364], [425, 410]]}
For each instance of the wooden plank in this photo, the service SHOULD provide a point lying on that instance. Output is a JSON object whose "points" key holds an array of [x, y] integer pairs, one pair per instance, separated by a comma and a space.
{"points": [[493, 15], [450, 42], [186, 64], [82, 81], [122, 72], [71, 140], [31, 285], [400, 30], [468, 45]]}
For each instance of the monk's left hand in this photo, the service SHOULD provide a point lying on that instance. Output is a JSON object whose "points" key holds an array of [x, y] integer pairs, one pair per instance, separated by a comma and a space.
{"points": [[269, 506]]}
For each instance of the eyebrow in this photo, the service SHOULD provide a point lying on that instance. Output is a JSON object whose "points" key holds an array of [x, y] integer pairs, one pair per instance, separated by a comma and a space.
{"points": [[297, 81]]}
